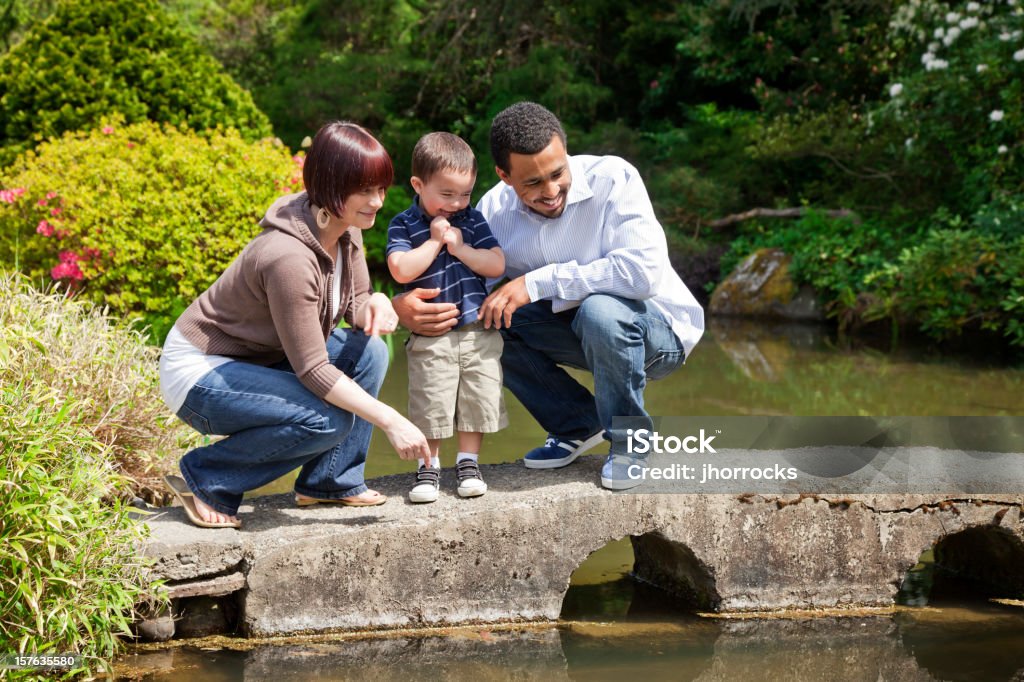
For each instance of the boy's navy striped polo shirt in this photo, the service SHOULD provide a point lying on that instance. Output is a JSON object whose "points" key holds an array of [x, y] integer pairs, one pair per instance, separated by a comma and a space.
{"points": [[458, 284]]}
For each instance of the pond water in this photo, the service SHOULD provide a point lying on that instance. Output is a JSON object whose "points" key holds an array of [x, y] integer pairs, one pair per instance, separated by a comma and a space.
{"points": [[613, 627]]}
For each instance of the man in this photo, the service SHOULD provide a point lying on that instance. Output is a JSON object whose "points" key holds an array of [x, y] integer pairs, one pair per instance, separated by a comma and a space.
{"points": [[590, 286]]}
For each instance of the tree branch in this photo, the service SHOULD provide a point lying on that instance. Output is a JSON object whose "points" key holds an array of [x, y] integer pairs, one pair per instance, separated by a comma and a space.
{"points": [[781, 213]]}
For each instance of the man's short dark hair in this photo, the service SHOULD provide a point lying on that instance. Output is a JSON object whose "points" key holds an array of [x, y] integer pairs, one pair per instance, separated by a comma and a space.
{"points": [[523, 128], [436, 152], [344, 159]]}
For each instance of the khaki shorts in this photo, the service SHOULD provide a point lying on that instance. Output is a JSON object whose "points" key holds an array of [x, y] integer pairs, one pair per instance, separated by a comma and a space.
{"points": [[455, 382]]}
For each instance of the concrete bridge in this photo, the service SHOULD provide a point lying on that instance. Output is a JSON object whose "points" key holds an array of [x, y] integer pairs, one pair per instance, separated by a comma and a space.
{"points": [[509, 555]]}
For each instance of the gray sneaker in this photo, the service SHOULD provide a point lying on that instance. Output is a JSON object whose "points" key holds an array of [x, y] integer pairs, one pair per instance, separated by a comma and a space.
{"points": [[427, 482], [471, 483]]}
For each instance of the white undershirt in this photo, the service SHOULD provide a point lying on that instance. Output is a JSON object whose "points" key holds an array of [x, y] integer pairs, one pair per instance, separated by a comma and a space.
{"points": [[182, 364]]}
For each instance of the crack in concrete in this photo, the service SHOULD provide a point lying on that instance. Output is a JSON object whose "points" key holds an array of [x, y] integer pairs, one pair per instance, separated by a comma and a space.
{"points": [[846, 502]]}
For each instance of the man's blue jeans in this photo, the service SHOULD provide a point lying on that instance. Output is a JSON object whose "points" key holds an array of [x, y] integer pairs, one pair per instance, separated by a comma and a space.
{"points": [[274, 424], [623, 342]]}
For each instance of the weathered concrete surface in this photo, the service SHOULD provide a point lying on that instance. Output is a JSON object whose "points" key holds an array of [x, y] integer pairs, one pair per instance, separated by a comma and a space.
{"points": [[509, 555]]}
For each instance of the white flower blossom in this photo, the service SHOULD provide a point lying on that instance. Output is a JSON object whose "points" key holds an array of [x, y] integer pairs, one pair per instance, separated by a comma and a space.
{"points": [[1002, 149], [896, 89], [933, 47], [1018, 56], [1004, 36], [1016, 34], [939, 32], [996, 115], [969, 22], [973, 7], [953, 33], [952, 18], [927, 58], [936, 65], [981, 68], [908, 143]]}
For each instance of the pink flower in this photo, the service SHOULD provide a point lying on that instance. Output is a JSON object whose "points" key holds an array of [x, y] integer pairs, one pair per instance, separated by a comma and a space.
{"points": [[41, 202], [54, 211], [67, 268], [61, 234], [66, 271], [654, 85], [108, 130], [9, 196], [44, 228], [51, 195]]}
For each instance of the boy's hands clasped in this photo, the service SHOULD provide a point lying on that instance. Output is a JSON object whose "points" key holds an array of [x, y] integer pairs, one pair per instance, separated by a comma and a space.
{"points": [[442, 231]]}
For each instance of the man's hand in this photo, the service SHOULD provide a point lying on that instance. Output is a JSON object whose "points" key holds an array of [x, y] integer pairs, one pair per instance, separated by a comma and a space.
{"points": [[421, 317], [503, 301]]}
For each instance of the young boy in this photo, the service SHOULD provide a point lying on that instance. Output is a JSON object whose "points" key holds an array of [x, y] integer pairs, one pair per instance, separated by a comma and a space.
{"points": [[440, 242]]}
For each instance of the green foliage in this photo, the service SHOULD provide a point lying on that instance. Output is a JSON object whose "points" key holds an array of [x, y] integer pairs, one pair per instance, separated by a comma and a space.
{"points": [[943, 281], [17, 15], [69, 574], [955, 280], [956, 100], [139, 218], [96, 58], [114, 395]]}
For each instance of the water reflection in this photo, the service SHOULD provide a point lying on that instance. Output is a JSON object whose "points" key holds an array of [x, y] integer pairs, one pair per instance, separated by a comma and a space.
{"points": [[949, 643]]}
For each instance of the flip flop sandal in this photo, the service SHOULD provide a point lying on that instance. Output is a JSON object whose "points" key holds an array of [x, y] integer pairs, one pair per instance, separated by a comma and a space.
{"points": [[304, 501], [180, 489]]}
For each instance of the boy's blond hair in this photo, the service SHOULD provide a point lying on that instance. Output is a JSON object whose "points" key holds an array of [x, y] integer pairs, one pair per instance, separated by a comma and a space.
{"points": [[436, 152]]}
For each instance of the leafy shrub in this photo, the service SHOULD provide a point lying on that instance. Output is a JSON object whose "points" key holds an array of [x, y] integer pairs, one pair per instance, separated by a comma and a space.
{"points": [[78, 399], [832, 255], [138, 218], [104, 367], [943, 281], [956, 98], [95, 58], [955, 280]]}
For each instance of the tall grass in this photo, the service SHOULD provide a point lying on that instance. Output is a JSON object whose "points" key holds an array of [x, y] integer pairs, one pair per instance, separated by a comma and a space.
{"points": [[79, 351], [69, 576], [78, 407]]}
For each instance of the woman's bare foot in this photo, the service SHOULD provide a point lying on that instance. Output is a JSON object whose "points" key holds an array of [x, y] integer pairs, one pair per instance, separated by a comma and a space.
{"points": [[369, 498], [211, 515]]}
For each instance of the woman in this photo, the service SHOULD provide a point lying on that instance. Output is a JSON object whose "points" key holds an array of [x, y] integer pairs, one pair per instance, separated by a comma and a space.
{"points": [[258, 358]]}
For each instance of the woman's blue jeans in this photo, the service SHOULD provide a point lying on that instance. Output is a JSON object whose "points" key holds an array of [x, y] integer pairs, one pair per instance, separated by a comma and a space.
{"points": [[274, 424], [623, 342]]}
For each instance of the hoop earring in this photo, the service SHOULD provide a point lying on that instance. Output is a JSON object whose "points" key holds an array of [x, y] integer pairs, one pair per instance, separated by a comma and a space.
{"points": [[323, 218]]}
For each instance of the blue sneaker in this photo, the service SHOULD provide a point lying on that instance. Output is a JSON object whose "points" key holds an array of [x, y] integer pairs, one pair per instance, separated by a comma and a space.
{"points": [[622, 472], [558, 452]]}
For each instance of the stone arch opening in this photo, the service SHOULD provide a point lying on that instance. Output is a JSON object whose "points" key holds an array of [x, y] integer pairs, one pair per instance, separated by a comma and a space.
{"points": [[638, 576], [980, 563]]}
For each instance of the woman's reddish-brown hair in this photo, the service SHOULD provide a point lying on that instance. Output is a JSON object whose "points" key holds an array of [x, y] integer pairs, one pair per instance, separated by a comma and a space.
{"points": [[344, 159]]}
